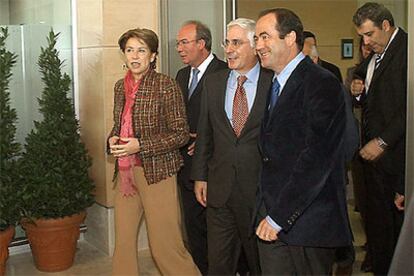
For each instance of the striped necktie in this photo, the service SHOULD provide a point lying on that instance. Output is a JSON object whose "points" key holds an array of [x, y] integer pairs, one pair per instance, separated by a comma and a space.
{"points": [[378, 59]]}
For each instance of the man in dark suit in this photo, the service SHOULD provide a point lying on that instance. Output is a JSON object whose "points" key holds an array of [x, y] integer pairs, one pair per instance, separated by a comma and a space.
{"points": [[309, 41], [302, 208], [194, 47], [381, 88], [227, 161]]}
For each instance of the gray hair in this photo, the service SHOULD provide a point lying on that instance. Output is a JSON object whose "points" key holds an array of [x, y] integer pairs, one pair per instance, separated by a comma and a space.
{"points": [[247, 24]]}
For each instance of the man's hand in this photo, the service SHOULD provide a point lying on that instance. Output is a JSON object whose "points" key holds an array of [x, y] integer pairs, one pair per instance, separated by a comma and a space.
{"points": [[357, 87], [399, 201], [127, 146], [200, 190], [190, 149], [266, 232], [371, 151]]}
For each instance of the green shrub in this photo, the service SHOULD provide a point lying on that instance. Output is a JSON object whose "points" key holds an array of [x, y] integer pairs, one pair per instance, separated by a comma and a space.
{"points": [[55, 163]]}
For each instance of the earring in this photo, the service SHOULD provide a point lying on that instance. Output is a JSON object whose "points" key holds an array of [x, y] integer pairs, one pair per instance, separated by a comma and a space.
{"points": [[124, 67]]}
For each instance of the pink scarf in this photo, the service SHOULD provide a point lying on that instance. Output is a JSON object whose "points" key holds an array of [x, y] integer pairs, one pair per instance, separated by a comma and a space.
{"points": [[127, 163]]}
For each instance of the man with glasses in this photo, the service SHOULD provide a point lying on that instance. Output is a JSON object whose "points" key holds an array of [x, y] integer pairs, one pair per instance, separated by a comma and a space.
{"points": [[227, 161], [194, 47]]}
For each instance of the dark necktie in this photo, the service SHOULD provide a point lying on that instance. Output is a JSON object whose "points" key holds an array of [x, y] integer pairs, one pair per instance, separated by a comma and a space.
{"points": [[378, 59], [274, 94], [194, 81], [240, 107]]}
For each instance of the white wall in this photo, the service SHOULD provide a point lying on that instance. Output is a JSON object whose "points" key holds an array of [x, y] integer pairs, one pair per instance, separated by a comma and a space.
{"points": [[4, 12]]}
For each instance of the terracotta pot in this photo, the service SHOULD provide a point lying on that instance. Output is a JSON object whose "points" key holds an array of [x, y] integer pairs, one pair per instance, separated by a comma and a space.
{"points": [[53, 241], [5, 238]]}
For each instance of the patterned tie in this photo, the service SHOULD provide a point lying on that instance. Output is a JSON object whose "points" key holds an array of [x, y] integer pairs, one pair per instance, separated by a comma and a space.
{"points": [[194, 81], [240, 107], [378, 59], [274, 94]]}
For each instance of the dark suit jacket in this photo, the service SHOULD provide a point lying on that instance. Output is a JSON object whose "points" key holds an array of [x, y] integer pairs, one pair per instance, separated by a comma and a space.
{"points": [[331, 68], [220, 157], [303, 176], [385, 106], [193, 112]]}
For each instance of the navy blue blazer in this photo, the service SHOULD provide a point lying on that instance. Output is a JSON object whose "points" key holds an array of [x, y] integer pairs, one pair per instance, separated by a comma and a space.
{"points": [[303, 175]]}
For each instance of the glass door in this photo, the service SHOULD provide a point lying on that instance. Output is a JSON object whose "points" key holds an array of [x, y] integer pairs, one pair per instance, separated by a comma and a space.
{"points": [[214, 13]]}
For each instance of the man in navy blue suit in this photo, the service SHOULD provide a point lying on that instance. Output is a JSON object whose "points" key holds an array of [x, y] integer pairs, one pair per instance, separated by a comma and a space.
{"points": [[302, 213]]}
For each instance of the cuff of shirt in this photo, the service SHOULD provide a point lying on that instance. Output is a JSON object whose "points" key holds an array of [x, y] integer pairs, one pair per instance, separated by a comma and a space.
{"points": [[273, 224]]}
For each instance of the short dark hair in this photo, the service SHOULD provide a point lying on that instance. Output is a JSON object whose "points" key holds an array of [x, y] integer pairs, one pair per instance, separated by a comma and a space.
{"points": [[287, 21], [307, 34], [375, 12], [147, 36], [202, 32]]}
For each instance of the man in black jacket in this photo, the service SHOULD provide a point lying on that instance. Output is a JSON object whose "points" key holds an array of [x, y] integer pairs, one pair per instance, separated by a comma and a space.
{"points": [[309, 41], [302, 212], [381, 88], [194, 47]]}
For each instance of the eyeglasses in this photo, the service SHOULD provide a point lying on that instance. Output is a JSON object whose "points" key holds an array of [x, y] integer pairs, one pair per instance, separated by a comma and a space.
{"points": [[235, 43], [184, 42]]}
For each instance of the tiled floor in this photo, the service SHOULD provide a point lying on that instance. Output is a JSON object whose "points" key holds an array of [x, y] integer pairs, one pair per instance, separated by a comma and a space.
{"points": [[90, 261]]}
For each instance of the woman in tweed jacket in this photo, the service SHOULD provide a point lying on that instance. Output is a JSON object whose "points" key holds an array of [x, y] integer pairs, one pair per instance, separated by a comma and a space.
{"points": [[149, 127]]}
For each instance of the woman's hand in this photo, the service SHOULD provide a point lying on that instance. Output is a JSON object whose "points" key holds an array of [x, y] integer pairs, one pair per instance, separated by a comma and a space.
{"points": [[113, 140], [126, 147]]}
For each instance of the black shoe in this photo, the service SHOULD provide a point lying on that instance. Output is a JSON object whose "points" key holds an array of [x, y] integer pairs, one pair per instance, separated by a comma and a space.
{"points": [[343, 271], [366, 265]]}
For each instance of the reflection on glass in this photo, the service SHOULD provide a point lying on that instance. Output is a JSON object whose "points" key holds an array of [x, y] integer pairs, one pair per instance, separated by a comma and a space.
{"points": [[29, 23]]}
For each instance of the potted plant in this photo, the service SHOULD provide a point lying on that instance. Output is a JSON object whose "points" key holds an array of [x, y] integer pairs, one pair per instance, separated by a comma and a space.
{"points": [[9, 151], [56, 188]]}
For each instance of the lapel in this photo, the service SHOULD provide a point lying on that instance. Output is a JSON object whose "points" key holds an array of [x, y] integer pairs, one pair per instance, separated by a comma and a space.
{"points": [[292, 84], [221, 87], [210, 68], [397, 42], [183, 81]]}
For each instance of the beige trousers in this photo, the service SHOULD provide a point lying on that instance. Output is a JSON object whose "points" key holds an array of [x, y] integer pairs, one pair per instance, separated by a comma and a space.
{"points": [[159, 203]]}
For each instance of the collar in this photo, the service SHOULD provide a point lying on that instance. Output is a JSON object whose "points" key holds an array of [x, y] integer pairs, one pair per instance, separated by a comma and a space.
{"points": [[252, 75], [283, 76], [381, 56], [203, 66]]}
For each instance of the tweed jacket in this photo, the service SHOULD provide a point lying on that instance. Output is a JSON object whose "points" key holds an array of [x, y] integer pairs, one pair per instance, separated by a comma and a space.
{"points": [[159, 122]]}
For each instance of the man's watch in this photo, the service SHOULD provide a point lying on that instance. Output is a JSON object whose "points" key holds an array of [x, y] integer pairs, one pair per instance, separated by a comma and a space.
{"points": [[381, 143]]}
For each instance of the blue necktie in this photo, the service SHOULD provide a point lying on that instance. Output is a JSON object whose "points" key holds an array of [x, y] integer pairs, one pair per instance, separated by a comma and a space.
{"points": [[194, 81], [274, 94]]}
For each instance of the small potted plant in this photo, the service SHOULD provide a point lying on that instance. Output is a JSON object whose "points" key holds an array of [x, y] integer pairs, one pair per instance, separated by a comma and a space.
{"points": [[9, 151], [56, 188]]}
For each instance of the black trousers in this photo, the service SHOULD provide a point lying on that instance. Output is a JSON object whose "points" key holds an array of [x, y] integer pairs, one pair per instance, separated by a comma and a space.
{"points": [[279, 258], [229, 235], [195, 227], [383, 220]]}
